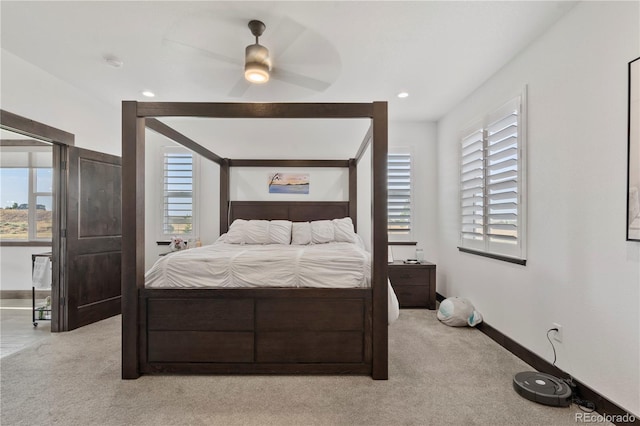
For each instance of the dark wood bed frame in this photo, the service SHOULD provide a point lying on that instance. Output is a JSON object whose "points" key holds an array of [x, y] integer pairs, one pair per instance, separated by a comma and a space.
{"points": [[254, 331]]}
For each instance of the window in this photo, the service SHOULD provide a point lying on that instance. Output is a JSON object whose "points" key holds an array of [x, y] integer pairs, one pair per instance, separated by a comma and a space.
{"points": [[26, 178], [492, 189], [399, 195], [179, 167]]}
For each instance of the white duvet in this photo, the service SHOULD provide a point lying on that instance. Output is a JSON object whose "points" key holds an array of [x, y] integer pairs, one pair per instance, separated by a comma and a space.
{"points": [[332, 265]]}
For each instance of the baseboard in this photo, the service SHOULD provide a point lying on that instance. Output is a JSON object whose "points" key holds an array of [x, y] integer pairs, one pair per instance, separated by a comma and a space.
{"points": [[23, 294], [604, 406]]}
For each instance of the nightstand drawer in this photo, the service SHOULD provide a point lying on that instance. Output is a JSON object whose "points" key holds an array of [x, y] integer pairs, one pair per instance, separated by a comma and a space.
{"points": [[412, 296], [408, 275]]}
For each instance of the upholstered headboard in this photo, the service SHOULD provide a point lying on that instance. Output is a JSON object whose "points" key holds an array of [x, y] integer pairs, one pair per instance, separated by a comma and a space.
{"points": [[295, 211]]}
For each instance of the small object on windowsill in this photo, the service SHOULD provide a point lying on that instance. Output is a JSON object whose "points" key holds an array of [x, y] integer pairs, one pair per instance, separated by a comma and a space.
{"points": [[411, 262], [178, 243]]}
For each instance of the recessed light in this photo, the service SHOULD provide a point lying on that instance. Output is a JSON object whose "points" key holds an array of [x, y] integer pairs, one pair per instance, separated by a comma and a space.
{"points": [[148, 94], [403, 95]]}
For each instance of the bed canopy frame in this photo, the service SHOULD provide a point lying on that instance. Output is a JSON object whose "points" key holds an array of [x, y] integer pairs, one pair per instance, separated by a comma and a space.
{"points": [[334, 331]]}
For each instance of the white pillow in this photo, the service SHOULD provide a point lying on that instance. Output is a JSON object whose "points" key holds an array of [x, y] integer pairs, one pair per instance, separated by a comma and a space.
{"points": [[343, 230], [256, 232], [301, 233], [279, 232], [235, 234], [322, 231]]}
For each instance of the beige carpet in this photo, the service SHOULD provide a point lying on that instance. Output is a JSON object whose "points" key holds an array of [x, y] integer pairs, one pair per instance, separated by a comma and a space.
{"points": [[438, 376]]}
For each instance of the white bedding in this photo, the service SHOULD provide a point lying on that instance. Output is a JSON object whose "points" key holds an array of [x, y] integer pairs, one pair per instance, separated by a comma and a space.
{"points": [[332, 265]]}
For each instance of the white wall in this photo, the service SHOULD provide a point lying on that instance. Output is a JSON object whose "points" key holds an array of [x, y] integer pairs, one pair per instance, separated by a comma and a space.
{"points": [[15, 266], [580, 272], [325, 184], [31, 92], [421, 139]]}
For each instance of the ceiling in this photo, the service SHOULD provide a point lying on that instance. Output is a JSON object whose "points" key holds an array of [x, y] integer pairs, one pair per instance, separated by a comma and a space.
{"points": [[439, 52]]}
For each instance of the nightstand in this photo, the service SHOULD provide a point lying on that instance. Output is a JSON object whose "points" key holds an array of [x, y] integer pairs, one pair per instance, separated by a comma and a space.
{"points": [[414, 284]]}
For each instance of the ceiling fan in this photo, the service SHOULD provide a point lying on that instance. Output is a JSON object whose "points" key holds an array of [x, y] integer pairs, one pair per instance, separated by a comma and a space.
{"points": [[256, 58], [258, 65]]}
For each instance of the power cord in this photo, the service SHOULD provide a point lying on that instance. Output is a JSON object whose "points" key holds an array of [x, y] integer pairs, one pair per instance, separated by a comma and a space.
{"points": [[581, 403], [552, 347]]}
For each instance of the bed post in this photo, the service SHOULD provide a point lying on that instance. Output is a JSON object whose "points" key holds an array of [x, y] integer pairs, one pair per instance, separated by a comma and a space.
{"points": [[380, 369], [353, 192], [224, 196], [132, 234]]}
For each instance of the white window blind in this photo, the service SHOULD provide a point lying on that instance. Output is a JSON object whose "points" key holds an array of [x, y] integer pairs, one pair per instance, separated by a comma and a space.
{"points": [[492, 176], [472, 188], [399, 194], [502, 178], [178, 192]]}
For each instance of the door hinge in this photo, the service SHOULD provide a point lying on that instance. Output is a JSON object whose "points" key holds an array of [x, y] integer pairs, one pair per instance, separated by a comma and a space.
{"points": [[63, 233], [63, 301], [64, 165]]}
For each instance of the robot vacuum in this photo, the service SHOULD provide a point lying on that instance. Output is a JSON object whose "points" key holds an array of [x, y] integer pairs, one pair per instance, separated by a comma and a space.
{"points": [[542, 388]]}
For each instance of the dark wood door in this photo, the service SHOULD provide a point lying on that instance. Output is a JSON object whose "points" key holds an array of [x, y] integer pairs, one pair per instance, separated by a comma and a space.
{"points": [[92, 251]]}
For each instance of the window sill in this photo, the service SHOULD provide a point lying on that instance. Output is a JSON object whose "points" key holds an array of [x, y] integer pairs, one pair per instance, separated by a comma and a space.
{"points": [[25, 243], [522, 262]]}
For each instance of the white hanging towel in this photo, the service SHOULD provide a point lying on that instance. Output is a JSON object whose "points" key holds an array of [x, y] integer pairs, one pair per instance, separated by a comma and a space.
{"points": [[41, 277]]}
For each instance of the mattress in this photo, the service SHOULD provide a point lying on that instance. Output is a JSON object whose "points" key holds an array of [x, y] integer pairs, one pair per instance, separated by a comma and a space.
{"points": [[223, 265]]}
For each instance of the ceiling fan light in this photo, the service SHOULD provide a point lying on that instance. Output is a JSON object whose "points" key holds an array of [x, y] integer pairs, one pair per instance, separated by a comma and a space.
{"points": [[256, 67], [256, 72]]}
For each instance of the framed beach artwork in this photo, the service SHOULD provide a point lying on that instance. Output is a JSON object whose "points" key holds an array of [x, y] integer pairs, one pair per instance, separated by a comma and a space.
{"points": [[289, 183], [633, 165]]}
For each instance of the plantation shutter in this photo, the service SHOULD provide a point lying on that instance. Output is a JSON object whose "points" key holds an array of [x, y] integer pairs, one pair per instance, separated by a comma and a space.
{"points": [[472, 189], [399, 194], [492, 173], [502, 178], [178, 193]]}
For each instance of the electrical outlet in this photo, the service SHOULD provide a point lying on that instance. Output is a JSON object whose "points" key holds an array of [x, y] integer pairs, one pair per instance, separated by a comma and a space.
{"points": [[557, 335]]}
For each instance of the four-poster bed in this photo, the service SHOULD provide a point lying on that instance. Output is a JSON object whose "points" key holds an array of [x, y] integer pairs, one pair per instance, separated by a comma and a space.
{"points": [[254, 330]]}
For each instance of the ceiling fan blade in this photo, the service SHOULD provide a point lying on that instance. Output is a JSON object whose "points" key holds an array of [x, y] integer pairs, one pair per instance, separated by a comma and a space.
{"points": [[284, 35], [203, 52], [299, 80], [239, 88]]}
